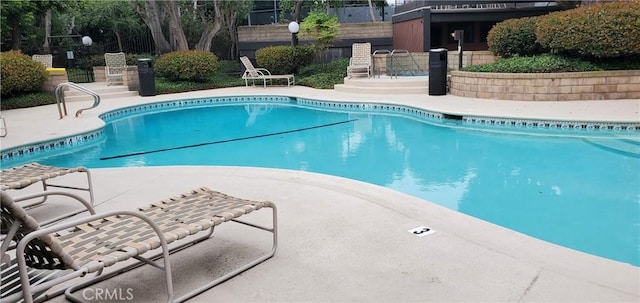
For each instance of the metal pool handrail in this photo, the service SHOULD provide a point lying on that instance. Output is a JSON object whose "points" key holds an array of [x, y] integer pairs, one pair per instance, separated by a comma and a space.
{"points": [[59, 92]]}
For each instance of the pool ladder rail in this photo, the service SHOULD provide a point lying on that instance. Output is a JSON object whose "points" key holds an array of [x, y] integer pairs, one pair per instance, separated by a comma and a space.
{"points": [[396, 65], [59, 92]]}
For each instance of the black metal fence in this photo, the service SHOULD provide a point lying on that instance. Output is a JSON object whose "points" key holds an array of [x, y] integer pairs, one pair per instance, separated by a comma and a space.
{"points": [[79, 59], [139, 44]]}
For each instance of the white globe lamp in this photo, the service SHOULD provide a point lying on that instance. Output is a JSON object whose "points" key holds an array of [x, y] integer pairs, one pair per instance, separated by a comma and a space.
{"points": [[87, 41]]}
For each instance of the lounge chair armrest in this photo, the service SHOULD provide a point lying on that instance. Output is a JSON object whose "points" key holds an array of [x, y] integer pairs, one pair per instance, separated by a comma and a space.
{"points": [[71, 223], [82, 201], [22, 244], [263, 71]]}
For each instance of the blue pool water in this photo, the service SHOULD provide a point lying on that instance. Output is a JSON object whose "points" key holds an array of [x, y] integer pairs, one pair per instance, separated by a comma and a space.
{"points": [[578, 192]]}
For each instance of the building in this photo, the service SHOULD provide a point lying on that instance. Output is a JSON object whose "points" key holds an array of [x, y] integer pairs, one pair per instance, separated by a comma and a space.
{"points": [[420, 25]]}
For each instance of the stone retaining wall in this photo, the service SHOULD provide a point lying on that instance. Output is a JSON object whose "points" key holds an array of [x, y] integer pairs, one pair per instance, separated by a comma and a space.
{"points": [[280, 32], [55, 77], [601, 85]]}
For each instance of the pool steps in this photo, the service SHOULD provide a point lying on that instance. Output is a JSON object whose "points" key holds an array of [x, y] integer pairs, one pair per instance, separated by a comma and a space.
{"points": [[105, 92], [385, 85]]}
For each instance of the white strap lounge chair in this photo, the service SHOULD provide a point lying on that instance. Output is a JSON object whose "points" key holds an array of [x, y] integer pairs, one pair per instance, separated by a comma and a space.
{"points": [[252, 73], [115, 66], [360, 61], [10, 275], [91, 244], [20, 177], [46, 60]]}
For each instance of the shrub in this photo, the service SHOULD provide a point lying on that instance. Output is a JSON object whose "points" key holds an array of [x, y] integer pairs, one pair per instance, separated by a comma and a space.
{"points": [[197, 66], [547, 63], [284, 59], [514, 37], [28, 100], [603, 30], [230, 67], [20, 74], [324, 75]]}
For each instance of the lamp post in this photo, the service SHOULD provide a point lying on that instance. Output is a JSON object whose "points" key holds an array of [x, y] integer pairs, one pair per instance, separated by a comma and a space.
{"points": [[87, 41], [294, 27], [458, 35]]}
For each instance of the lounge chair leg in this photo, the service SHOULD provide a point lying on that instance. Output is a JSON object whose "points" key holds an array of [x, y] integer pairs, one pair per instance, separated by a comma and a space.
{"points": [[264, 257]]}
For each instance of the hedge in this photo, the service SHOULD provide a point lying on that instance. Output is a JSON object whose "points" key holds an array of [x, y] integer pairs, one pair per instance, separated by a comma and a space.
{"points": [[284, 59], [20, 74], [514, 37], [192, 65], [603, 30]]}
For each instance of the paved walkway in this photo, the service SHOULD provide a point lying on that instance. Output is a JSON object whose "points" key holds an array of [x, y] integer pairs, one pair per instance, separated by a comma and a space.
{"points": [[344, 240]]}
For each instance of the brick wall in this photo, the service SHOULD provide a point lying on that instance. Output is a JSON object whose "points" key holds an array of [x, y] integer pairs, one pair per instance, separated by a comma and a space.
{"points": [[601, 85]]}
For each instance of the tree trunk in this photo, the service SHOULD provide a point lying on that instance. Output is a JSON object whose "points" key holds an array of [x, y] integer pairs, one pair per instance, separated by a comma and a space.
{"points": [[150, 14], [298, 10], [371, 13], [175, 27], [231, 19], [211, 27], [119, 39], [16, 33], [47, 32]]}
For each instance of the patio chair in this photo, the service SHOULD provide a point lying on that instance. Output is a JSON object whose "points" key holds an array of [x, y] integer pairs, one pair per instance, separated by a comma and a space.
{"points": [[20, 177], [10, 275], [46, 60], [115, 67], [360, 61], [252, 73], [91, 244]]}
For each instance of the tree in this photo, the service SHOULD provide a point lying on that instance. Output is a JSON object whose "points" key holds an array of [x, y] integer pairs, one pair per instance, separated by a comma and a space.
{"points": [[173, 14], [176, 33], [110, 17], [373, 16], [18, 15], [211, 18], [153, 18], [230, 12], [321, 26]]}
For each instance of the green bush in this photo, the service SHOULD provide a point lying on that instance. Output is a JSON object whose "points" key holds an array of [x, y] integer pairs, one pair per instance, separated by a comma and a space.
{"points": [[324, 75], [230, 67], [603, 30], [28, 100], [164, 86], [514, 37], [197, 66], [546, 63], [20, 74], [284, 59]]}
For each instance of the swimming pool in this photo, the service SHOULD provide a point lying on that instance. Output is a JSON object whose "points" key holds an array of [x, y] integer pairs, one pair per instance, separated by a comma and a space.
{"points": [[576, 188]]}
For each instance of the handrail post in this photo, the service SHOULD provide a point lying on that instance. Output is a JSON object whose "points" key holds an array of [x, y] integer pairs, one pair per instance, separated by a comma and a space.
{"points": [[59, 92]]}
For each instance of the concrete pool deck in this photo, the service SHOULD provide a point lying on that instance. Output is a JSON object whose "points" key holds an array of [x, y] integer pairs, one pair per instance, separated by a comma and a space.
{"points": [[345, 240]]}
